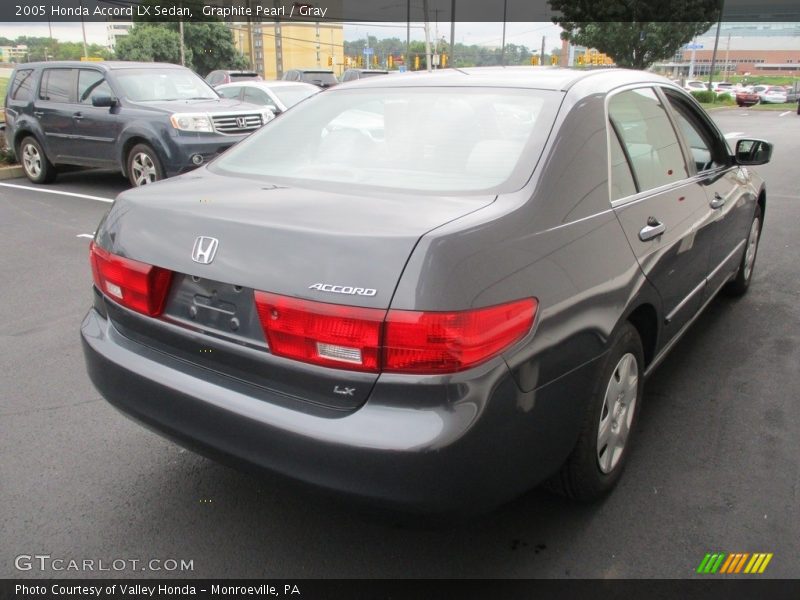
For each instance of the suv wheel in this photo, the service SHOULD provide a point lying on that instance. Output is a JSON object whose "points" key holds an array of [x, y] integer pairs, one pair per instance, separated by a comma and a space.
{"points": [[144, 166], [599, 456], [34, 161]]}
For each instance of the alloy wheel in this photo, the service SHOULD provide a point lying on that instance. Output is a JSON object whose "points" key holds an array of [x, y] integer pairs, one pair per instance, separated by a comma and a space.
{"points": [[31, 160], [617, 413]]}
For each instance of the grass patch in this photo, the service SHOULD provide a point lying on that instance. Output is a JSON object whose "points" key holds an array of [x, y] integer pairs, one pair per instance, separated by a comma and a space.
{"points": [[3, 87]]}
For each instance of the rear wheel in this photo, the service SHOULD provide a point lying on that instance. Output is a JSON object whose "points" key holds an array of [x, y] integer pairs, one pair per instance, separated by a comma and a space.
{"points": [[597, 461], [741, 282], [34, 161], [144, 166]]}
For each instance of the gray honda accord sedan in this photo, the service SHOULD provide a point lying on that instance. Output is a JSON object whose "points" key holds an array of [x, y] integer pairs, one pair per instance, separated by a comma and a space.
{"points": [[432, 291]]}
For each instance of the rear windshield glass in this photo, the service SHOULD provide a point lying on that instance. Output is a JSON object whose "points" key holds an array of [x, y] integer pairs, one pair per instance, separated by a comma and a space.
{"points": [[318, 77], [243, 76], [371, 73], [292, 95], [445, 140], [151, 85]]}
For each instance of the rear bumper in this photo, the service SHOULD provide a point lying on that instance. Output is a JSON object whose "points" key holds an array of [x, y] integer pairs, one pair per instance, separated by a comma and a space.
{"points": [[464, 446]]}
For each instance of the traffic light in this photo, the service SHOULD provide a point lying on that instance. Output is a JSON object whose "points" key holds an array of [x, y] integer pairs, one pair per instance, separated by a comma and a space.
{"points": [[330, 61], [374, 60], [554, 59], [360, 61], [444, 60], [346, 61], [416, 63], [534, 60], [580, 59], [390, 61]]}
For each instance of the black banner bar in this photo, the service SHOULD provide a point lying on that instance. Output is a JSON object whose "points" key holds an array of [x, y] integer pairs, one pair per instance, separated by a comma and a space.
{"points": [[415, 589], [379, 11]]}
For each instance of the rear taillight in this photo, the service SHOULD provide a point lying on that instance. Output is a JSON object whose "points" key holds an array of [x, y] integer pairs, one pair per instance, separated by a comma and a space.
{"points": [[446, 342], [133, 284], [369, 339]]}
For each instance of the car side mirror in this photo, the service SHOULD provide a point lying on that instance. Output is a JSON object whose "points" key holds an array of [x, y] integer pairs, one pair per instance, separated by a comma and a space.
{"points": [[752, 152], [103, 100]]}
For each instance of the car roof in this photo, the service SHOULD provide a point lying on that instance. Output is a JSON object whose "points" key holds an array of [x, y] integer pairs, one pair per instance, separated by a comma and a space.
{"points": [[545, 78], [106, 65], [270, 83]]}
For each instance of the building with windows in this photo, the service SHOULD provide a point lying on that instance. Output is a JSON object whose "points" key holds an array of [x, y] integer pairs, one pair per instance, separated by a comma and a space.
{"points": [[276, 47], [13, 54], [115, 29], [743, 48]]}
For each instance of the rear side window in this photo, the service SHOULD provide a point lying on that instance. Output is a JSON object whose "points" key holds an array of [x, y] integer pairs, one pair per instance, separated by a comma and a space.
{"points": [[648, 138], [22, 86], [56, 85]]}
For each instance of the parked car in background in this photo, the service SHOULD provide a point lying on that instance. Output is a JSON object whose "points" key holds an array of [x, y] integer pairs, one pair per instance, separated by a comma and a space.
{"points": [[792, 93], [319, 77], [440, 316], [724, 89], [773, 94], [149, 120], [354, 74], [694, 85], [216, 78], [278, 96], [747, 97]]}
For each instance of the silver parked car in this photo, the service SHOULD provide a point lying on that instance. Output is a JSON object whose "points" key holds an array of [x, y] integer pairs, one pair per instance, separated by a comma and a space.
{"points": [[278, 96]]}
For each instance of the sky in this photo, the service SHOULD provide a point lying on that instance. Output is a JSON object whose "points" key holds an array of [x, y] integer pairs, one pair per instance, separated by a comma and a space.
{"points": [[489, 34]]}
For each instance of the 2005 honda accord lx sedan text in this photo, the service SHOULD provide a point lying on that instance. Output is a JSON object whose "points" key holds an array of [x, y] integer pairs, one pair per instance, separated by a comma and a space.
{"points": [[433, 291]]}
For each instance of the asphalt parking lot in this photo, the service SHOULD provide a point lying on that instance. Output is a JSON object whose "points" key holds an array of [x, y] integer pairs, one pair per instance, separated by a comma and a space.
{"points": [[716, 464]]}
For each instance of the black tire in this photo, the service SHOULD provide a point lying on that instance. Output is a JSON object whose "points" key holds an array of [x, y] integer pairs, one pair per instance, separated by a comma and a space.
{"points": [[143, 166], [739, 285], [35, 164], [582, 477]]}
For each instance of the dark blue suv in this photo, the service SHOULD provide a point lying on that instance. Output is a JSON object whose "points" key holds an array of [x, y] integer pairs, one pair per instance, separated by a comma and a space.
{"points": [[149, 120]]}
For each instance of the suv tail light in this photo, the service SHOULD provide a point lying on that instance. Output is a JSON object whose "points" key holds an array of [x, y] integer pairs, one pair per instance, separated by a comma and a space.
{"points": [[398, 341], [133, 284]]}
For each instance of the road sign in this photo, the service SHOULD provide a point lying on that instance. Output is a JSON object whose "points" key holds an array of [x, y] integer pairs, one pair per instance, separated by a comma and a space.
{"points": [[693, 46], [368, 51]]}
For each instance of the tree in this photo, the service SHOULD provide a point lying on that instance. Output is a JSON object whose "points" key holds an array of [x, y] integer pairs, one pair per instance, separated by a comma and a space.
{"points": [[637, 33], [211, 47], [151, 43]]}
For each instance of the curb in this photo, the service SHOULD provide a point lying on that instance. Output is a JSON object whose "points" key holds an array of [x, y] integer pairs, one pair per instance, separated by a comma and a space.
{"points": [[11, 172]]}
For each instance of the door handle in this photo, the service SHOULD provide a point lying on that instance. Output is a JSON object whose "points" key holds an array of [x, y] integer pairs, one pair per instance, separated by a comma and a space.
{"points": [[77, 116], [653, 229], [38, 114], [718, 201]]}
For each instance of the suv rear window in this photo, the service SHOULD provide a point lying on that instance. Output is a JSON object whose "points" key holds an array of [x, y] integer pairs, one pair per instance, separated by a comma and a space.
{"points": [[242, 76], [57, 85], [319, 77], [22, 86]]}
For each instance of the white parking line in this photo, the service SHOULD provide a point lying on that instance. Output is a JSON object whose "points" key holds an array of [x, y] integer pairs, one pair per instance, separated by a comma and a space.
{"points": [[44, 191], [783, 114], [86, 235], [733, 134]]}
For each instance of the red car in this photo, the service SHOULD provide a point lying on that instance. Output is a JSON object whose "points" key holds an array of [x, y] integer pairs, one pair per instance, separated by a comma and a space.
{"points": [[746, 98]]}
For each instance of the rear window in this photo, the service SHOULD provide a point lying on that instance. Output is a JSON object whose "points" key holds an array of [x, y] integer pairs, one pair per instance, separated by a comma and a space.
{"points": [[445, 140], [57, 85], [243, 76], [22, 86], [319, 77]]}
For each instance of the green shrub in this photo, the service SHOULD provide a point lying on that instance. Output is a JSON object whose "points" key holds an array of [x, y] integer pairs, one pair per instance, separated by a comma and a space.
{"points": [[705, 96]]}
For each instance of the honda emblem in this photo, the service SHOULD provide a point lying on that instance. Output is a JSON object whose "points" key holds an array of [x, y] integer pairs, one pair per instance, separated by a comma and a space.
{"points": [[204, 249], [241, 122]]}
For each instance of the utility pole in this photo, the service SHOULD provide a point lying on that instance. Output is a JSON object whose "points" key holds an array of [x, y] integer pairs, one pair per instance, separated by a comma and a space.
{"points": [[716, 44], [453, 33], [427, 35], [408, 31], [83, 27], [183, 45], [503, 46], [543, 40]]}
